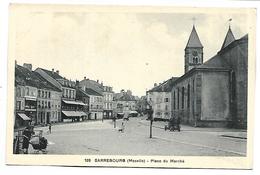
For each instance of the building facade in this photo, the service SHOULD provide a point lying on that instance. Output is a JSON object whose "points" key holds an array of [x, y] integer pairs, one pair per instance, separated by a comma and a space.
{"points": [[108, 95], [96, 104], [213, 93], [124, 103], [35, 97], [70, 108], [160, 97]]}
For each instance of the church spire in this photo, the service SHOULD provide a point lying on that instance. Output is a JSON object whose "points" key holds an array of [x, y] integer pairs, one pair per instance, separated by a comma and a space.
{"points": [[193, 51], [194, 40], [229, 38]]}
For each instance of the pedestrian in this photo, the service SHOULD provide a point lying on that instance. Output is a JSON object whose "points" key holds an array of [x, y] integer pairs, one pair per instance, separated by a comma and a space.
{"points": [[49, 128], [123, 126], [27, 133]]}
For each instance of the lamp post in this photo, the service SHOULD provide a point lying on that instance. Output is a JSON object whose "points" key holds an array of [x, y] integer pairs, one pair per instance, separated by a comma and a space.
{"points": [[150, 117]]}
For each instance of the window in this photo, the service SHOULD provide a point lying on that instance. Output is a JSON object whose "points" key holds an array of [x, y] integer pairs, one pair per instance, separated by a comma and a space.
{"points": [[18, 105], [182, 98], [42, 94], [193, 85], [178, 98], [46, 94], [49, 94], [49, 104], [27, 91], [166, 99], [166, 107], [18, 92], [174, 104], [39, 93], [188, 100]]}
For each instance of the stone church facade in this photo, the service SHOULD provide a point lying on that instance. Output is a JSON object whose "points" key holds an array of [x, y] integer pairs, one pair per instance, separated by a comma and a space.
{"points": [[213, 93]]}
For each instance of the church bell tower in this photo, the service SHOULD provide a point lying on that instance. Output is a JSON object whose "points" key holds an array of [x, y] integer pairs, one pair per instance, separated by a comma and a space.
{"points": [[193, 51]]}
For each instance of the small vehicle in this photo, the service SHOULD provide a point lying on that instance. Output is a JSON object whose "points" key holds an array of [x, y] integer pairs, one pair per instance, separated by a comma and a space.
{"points": [[173, 125]]}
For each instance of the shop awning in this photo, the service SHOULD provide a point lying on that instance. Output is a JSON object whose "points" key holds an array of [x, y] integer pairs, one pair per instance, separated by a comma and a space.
{"points": [[121, 113], [74, 113], [133, 112], [23, 116], [74, 102]]}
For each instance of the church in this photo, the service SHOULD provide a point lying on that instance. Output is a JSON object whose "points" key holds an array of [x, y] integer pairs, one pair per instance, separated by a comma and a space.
{"points": [[213, 93]]}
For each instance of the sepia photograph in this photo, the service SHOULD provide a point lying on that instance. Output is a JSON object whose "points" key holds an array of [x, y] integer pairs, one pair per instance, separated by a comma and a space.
{"points": [[131, 86]]}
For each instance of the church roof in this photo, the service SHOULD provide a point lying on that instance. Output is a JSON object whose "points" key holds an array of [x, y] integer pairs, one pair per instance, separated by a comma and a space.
{"points": [[194, 40], [215, 62], [228, 39]]}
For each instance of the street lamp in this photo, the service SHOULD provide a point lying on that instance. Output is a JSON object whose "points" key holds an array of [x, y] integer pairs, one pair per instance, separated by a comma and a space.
{"points": [[149, 111]]}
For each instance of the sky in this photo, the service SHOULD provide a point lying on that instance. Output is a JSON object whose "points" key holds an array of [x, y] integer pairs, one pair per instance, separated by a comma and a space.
{"points": [[125, 50]]}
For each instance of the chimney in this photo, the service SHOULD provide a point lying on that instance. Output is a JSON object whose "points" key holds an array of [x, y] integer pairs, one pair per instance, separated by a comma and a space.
{"points": [[28, 66], [155, 84], [52, 70], [97, 81], [84, 78], [15, 62], [58, 72], [77, 84]]}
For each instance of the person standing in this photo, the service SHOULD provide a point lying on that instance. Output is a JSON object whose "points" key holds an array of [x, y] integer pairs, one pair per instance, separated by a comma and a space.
{"points": [[27, 133], [50, 128]]}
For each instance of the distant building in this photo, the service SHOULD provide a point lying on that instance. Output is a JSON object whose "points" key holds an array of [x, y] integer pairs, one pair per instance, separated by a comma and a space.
{"points": [[160, 98], [85, 98], [124, 103], [108, 95], [70, 108], [106, 92], [95, 104]]}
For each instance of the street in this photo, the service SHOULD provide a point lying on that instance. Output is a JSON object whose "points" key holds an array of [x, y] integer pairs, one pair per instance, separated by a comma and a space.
{"points": [[101, 138]]}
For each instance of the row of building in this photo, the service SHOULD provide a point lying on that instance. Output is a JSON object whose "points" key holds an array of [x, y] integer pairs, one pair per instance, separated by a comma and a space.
{"points": [[211, 93], [43, 96]]}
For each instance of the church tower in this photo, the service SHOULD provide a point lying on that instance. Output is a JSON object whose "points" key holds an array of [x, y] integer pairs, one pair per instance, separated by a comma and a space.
{"points": [[228, 39], [193, 51]]}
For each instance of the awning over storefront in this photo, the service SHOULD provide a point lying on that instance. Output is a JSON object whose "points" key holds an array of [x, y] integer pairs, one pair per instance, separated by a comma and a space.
{"points": [[133, 112], [74, 102], [23, 116], [74, 113], [121, 113]]}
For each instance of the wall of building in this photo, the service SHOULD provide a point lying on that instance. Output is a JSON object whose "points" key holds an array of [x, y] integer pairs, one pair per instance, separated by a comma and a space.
{"points": [[96, 107], [215, 103], [237, 58], [161, 104], [48, 106]]}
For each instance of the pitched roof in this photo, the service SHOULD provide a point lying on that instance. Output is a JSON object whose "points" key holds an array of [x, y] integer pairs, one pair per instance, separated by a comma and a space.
{"points": [[24, 76], [228, 39], [215, 62], [166, 86], [126, 97], [81, 93], [194, 40], [92, 92], [54, 75]]}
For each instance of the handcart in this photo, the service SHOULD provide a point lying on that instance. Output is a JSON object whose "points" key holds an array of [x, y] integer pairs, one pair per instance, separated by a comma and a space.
{"points": [[38, 142]]}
